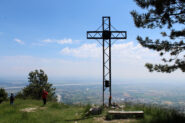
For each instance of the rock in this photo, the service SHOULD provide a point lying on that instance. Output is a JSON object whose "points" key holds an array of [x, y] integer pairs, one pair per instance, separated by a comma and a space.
{"points": [[117, 106], [95, 110]]}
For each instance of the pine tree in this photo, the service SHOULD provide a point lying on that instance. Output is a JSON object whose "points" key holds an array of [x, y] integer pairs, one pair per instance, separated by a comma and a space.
{"points": [[162, 14]]}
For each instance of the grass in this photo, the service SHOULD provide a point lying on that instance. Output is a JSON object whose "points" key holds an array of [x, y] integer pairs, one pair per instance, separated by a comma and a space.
{"points": [[155, 114], [60, 113], [53, 112]]}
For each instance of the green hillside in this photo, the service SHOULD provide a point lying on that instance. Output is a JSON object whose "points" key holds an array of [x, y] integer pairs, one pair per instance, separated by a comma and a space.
{"points": [[32, 111], [51, 113]]}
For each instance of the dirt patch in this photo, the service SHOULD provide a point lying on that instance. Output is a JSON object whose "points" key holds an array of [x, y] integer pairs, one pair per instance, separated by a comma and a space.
{"points": [[102, 120], [29, 109], [32, 109]]}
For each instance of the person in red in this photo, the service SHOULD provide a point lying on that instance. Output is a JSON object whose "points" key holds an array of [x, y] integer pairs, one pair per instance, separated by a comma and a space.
{"points": [[44, 96]]}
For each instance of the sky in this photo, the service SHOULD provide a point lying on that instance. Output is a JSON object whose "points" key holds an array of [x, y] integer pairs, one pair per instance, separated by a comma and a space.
{"points": [[51, 35]]}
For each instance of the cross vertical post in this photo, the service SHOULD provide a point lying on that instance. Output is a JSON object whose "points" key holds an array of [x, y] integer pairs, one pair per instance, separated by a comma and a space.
{"points": [[106, 35], [106, 56]]}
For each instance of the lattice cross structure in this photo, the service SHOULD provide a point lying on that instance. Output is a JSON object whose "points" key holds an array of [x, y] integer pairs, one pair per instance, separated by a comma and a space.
{"points": [[106, 35]]}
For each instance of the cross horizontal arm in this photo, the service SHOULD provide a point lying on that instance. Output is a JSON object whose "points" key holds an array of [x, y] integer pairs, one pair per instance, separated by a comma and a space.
{"points": [[94, 34], [106, 34], [118, 34]]}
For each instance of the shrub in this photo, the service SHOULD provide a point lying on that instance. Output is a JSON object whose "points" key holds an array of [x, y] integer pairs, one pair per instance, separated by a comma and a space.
{"points": [[3, 95], [20, 95], [109, 117]]}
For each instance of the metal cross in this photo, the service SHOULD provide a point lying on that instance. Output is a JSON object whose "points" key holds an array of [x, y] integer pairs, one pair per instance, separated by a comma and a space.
{"points": [[106, 35]]}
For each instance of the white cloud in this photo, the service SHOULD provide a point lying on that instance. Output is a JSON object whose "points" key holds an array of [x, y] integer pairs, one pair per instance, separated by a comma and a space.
{"points": [[120, 52], [130, 52], [128, 62], [62, 41], [84, 51], [18, 41]]}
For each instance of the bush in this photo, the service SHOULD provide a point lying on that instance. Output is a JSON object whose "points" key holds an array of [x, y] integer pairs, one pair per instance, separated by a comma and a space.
{"points": [[20, 95], [3, 95], [109, 117]]}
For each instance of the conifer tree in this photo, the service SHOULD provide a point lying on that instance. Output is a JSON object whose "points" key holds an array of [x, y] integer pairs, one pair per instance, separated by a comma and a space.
{"points": [[163, 14]]}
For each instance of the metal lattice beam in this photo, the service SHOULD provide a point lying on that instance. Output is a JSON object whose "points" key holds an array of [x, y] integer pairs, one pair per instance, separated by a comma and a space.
{"points": [[99, 34]]}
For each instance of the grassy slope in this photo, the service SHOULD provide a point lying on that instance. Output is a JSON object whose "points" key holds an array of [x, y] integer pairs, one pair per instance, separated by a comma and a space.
{"points": [[154, 114], [60, 113], [51, 113]]}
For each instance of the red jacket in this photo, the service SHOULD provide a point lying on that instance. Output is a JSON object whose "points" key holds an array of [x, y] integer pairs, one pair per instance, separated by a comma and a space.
{"points": [[44, 94]]}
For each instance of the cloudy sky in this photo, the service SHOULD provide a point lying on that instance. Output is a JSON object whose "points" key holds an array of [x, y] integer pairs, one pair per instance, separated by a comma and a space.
{"points": [[51, 35]]}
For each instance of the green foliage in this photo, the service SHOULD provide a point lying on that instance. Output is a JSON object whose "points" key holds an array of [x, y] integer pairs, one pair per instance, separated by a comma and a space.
{"points": [[162, 13], [155, 114], [3, 95], [20, 95], [38, 81]]}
